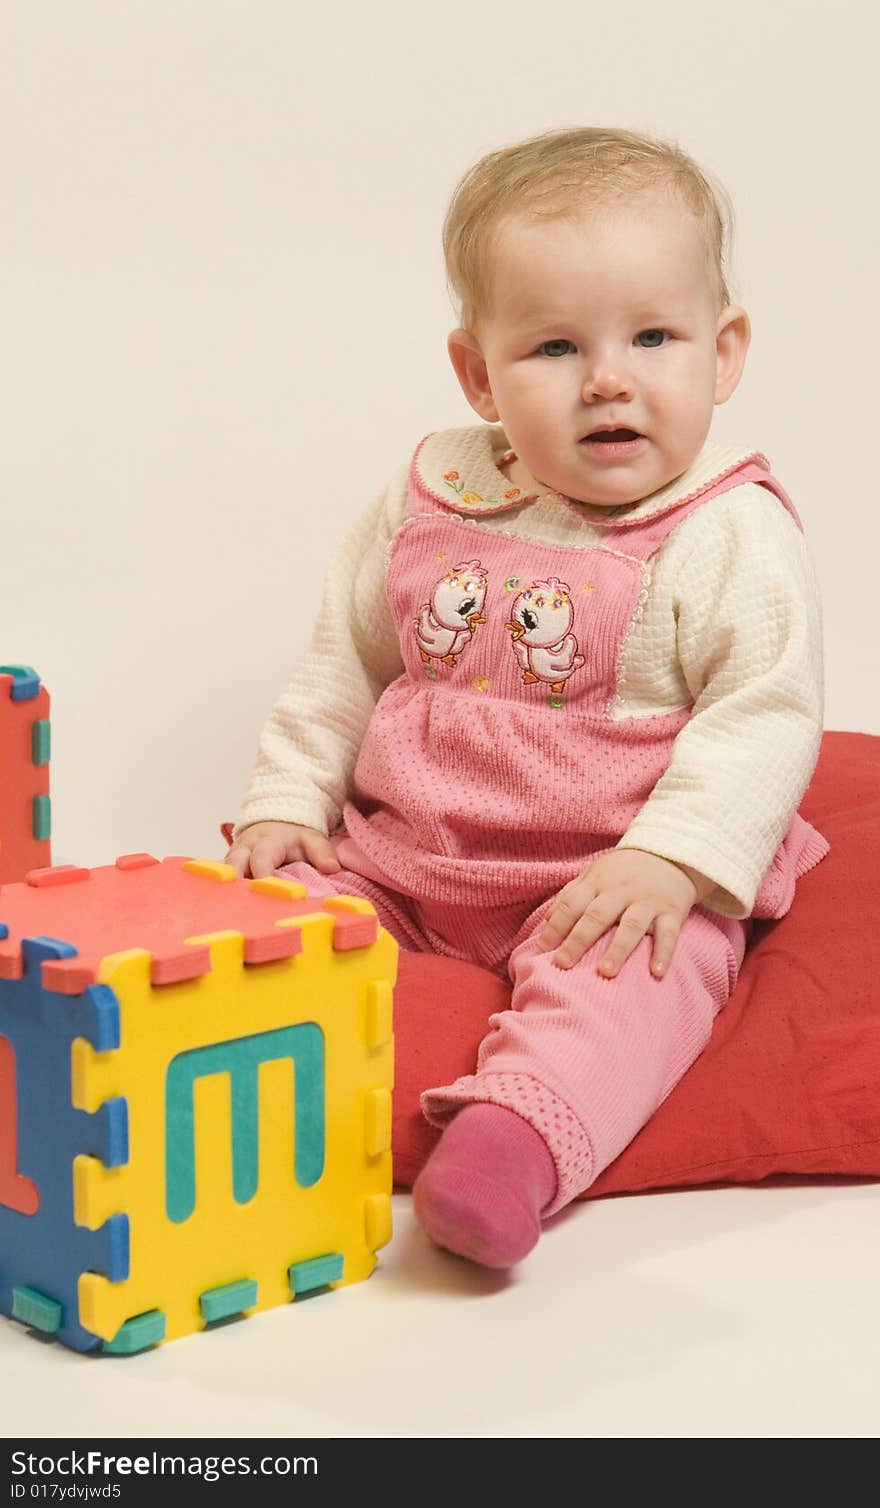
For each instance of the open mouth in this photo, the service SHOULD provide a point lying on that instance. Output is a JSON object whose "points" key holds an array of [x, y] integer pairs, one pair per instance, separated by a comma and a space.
{"points": [[611, 437]]}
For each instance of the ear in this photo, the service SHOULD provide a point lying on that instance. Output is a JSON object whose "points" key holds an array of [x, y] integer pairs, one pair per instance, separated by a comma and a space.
{"points": [[471, 371], [731, 344]]}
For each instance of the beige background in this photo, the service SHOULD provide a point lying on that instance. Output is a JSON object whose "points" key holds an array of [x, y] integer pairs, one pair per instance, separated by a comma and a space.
{"points": [[223, 321], [222, 315]]}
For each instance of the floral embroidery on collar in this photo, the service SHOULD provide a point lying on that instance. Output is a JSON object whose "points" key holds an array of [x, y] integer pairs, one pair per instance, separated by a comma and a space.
{"points": [[469, 497], [435, 457]]}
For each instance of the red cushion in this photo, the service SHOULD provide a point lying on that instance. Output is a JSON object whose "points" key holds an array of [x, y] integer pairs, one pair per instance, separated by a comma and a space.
{"points": [[790, 1079]]}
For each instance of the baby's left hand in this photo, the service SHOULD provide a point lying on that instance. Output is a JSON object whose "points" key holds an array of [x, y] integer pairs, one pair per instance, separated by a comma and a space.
{"points": [[647, 893]]}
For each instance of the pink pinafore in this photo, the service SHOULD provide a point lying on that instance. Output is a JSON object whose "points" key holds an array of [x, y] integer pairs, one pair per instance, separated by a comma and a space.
{"points": [[493, 769], [492, 772]]}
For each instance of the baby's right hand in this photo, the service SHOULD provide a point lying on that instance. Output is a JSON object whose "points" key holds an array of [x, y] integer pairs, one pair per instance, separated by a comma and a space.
{"points": [[264, 846]]}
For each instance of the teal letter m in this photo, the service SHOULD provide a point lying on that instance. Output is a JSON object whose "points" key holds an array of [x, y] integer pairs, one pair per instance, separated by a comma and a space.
{"points": [[241, 1058]]}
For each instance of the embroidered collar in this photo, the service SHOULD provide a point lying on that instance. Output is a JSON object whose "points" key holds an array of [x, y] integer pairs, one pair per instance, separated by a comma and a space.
{"points": [[459, 469]]}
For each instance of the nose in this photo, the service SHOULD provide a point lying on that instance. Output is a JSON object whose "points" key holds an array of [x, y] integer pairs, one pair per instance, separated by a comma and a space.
{"points": [[607, 378]]}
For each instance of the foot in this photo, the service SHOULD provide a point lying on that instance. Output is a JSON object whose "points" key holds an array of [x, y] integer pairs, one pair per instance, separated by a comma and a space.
{"points": [[481, 1192]]}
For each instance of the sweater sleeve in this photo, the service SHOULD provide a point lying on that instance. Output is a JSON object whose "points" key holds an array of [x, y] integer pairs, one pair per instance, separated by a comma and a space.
{"points": [[309, 745], [749, 640]]}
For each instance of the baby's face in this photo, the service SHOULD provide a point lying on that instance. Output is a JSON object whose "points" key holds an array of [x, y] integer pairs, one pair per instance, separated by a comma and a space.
{"points": [[610, 318]]}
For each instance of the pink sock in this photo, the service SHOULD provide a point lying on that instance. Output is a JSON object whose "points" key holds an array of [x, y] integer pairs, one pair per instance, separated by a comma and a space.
{"points": [[482, 1190]]}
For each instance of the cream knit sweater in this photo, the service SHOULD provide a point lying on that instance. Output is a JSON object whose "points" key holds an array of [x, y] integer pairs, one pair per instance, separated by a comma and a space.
{"points": [[731, 625]]}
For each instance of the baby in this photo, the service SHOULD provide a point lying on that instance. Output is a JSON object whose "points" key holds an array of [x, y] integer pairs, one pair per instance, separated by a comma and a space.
{"points": [[564, 693]]}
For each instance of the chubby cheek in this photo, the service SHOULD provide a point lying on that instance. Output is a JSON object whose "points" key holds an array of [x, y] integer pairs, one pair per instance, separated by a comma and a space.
{"points": [[684, 417], [687, 392], [538, 407]]}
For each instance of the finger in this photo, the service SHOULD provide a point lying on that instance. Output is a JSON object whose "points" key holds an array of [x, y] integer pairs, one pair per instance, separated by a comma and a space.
{"points": [[667, 929], [601, 914], [267, 855], [633, 925], [321, 854], [567, 909], [239, 857]]}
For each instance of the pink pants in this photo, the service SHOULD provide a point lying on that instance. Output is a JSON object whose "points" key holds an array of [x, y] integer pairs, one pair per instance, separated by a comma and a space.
{"points": [[585, 1059]]}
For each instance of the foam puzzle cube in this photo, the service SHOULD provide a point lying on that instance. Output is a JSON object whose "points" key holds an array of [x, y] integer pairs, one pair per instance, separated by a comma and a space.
{"points": [[25, 817], [195, 1097]]}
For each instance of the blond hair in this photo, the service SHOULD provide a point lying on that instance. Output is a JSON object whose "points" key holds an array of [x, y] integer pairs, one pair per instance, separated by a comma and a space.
{"points": [[560, 173]]}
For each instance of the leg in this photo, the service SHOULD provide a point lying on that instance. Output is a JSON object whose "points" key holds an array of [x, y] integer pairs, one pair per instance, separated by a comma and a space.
{"points": [[391, 908], [585, 1060], [482, 1190]]}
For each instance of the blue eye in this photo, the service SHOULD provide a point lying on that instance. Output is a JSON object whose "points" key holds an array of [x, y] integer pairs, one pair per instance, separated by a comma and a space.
{"points": [[653, 346], [543, 348]]}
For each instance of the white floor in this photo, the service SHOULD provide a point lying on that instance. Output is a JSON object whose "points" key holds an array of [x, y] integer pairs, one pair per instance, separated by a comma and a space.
{"points": [[726, 1312]]}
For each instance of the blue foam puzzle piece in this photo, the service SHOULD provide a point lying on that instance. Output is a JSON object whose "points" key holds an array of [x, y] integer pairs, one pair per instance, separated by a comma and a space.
{"points": [[25, 683], [107, 1135], [96, 1013], [46, 1251]]}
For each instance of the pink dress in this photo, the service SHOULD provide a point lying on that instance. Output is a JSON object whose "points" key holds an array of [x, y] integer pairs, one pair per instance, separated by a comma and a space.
{"points": [[492, 772]]}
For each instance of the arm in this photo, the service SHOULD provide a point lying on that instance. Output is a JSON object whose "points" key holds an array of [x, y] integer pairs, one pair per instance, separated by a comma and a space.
{"points": [[749, 640], [309, 745], [749, 643]]}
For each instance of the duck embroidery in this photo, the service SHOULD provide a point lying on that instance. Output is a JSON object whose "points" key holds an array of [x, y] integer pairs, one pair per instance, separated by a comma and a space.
{"points": [[446, 624], [540, 627]]}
